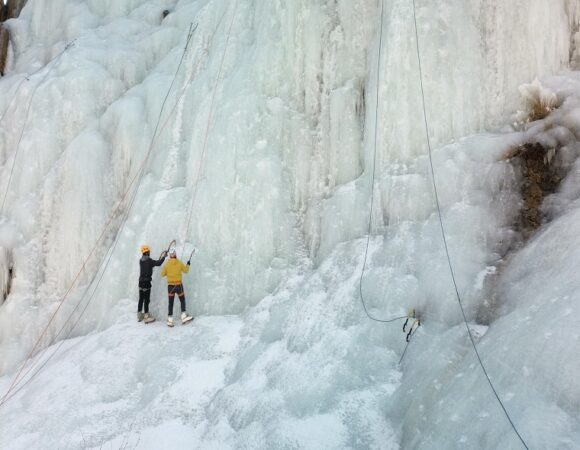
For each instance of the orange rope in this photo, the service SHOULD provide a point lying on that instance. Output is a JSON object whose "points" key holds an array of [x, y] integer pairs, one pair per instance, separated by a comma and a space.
{"points": [[139, 172]]}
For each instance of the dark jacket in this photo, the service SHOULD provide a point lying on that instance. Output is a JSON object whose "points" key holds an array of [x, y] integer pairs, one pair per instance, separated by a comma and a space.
{"points": [[146, 265]]}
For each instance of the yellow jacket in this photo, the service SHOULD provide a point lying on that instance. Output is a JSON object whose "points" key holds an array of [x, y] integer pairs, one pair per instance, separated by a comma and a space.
{"points": [[173, 269]]}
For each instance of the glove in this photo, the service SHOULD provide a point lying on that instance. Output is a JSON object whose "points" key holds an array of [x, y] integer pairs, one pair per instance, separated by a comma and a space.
{"points": [[189, 262]]}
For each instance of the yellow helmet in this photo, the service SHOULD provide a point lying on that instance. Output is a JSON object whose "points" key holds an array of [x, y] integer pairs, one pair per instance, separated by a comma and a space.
{"points": [[145, 248]]}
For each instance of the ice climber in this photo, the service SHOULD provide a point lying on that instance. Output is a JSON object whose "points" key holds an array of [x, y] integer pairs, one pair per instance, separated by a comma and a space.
{"points": [[173, 270], [146, 264]]}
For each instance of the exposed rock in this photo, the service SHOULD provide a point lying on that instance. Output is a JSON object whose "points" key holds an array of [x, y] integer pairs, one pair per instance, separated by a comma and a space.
{"points": [[10, 10]]}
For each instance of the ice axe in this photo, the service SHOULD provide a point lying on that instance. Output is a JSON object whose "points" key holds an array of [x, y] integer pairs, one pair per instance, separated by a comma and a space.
{"points": [[171, 245], [190, 256]]}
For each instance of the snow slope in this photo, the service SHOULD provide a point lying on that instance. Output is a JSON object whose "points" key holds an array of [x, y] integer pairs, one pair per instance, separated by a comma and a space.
{"points": [[263, 161]]}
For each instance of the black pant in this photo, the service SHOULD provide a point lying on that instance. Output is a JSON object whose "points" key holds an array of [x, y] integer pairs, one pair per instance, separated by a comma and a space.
{"points": [[144, 296], [173, 289]]}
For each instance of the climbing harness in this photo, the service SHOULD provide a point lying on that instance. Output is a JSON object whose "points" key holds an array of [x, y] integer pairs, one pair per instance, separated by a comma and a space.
{"points": [[443, 234], [172, 247]]}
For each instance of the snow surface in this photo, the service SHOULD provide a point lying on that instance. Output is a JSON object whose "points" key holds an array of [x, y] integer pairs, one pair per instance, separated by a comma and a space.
{"points": [[267, 143]]}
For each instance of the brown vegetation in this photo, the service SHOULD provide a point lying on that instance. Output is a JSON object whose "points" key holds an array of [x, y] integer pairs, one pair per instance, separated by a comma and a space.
{"points": [[540, 107], [540, 178], [539, 102], [541, 175]]}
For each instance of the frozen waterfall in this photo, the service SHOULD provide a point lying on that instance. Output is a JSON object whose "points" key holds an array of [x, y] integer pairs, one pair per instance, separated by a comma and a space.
{"points": [[263, 161]]}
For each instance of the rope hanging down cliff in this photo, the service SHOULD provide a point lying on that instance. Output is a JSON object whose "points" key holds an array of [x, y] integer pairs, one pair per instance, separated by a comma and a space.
{"points": [[362, 299], [443, 234], [138, 176], [207, 127], [13, 165]]}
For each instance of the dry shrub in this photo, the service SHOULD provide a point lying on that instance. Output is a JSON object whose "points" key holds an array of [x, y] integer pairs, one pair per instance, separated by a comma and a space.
{"points": [[539, 102]]}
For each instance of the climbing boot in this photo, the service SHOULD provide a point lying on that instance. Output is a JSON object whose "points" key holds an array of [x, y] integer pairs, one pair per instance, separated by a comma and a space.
{"points": [[185, 318], [170, 321], [148, 318], [139, 316]]}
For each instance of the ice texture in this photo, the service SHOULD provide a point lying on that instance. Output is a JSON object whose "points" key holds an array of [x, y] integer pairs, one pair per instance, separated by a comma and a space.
{"points": [[263, 161]]}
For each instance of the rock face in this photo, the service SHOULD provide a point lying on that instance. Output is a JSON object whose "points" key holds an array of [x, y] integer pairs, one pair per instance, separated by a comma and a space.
{"points": [[14, 7], [541, 179], [8, 11], [5, 273], [4, 39]]}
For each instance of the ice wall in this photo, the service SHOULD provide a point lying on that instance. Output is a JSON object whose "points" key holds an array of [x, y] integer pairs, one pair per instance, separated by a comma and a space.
{"points": [[272, 127], [322, 110]]}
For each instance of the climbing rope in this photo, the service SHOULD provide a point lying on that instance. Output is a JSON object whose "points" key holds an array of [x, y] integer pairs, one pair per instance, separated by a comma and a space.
{"points": [[415, 320], [409, 336], [60, 344], [55, 59], [208, 124], [443, 234], [360, 285], [27, 77], [125, 216], [138, 175]]}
